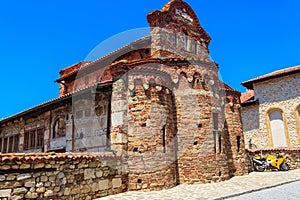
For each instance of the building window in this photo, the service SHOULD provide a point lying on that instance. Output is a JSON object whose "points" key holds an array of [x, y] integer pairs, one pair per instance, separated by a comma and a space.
{"points": [[216, 121], [277, 128], [174, 39], [195, 47], [10, 144], [26, 141], [40, 138], [297, 115], [164, 138], [32, 135], [59, 128], [16, 143], [0, 145], [238, 141], [217, 134], [5, 145], [185, 41], [34, 139]]}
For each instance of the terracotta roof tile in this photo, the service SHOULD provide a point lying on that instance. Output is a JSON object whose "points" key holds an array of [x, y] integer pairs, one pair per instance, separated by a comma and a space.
{"points": [[68, 95], [275, 74], [41, 157], [111, 54], [274, 149], [246, 96], [167, 6]]}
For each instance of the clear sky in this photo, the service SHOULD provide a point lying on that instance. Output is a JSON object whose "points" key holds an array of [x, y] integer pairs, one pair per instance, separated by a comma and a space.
{"points": [[39, 37]]}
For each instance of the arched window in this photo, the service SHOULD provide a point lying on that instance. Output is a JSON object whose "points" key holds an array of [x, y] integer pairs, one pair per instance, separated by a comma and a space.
{"points": [[277, 128], [59, 128], [297, 116]]}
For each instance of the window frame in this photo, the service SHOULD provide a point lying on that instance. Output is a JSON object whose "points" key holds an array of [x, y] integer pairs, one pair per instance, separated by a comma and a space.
{"points": [[31, 138], [64, 129], [268, 125]]}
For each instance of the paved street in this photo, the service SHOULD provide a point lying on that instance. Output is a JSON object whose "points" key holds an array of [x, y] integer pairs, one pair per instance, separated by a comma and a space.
{"points": [[235, 186], [288, 191]]}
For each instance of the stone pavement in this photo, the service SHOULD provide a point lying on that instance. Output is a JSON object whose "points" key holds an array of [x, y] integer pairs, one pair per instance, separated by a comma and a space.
{"points": [[238, 185]]}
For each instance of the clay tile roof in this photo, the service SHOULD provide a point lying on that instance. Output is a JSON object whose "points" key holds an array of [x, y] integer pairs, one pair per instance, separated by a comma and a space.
{"points": [[112, 55], [56, 100], [247, 96], [274, 149], [42, 157], [167, 6], [276, 74]]}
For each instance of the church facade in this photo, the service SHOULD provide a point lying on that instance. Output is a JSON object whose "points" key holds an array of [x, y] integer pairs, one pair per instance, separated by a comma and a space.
{"points": [[157, 102]]}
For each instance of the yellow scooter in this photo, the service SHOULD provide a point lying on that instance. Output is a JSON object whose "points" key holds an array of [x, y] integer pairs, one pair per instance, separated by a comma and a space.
{"points": [[271, 162]]}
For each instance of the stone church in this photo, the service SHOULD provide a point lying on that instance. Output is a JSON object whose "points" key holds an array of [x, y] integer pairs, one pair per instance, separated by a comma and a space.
{"points": [[157, 102]]}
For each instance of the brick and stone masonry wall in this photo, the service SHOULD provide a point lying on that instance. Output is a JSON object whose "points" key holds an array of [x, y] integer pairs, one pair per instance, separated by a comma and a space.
{"points": [[60, 176], [293, 155], [281, 93]]}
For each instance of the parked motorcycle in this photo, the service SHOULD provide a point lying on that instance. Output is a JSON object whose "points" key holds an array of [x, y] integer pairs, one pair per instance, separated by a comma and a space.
{"points": [[271, 162]]}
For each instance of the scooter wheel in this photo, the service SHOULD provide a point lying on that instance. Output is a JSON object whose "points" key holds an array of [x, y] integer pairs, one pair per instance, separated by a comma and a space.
{"points": [[258, 167], [284, 167]]}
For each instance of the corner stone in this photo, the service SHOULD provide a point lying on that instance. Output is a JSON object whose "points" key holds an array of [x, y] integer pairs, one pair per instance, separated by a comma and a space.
{"points": [[103, 184], [117, 182], [5, 193]]}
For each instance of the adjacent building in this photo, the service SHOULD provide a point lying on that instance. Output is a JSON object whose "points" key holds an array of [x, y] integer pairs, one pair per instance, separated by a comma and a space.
{"points": [[271, 110], [157, 102]]}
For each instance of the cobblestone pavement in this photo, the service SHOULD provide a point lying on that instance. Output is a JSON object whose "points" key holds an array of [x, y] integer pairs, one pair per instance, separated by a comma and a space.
{"points": [[236, 186]]}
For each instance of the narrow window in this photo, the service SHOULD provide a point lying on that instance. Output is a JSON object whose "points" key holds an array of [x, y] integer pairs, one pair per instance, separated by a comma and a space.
{"points": [[16, 143], [0, 145], [217, 134], [40, 138], [185, 41], [195, 47], [5, 145], [215, 141], [216, 120], [238, 140], [26, 141], [32, 139], [174, 38], [220, 141], [10, 144], [164, 138]]}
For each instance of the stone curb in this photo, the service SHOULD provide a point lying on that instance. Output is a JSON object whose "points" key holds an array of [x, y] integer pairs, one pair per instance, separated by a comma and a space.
{"points": [[256, 190]]}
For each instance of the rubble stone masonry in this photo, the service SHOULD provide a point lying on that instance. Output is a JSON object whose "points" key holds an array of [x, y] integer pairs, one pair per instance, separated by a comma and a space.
{"points": [[60, 176], [280, 93]]}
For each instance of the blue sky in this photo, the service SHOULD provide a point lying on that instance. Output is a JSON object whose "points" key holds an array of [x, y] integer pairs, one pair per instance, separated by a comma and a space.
{"points": [[39, 37]]}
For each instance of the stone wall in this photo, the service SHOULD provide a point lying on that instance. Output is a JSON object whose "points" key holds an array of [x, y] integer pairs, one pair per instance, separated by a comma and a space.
{"points": [[280, 93], [293, 155], [60, 176]]}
